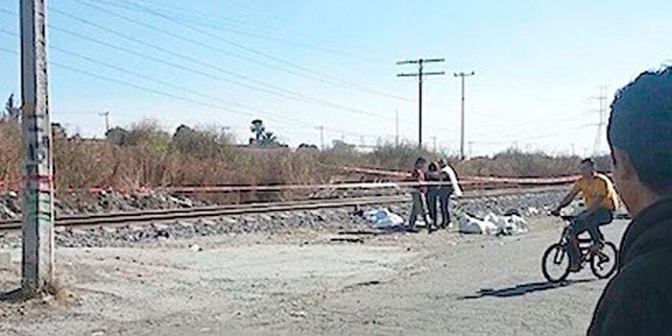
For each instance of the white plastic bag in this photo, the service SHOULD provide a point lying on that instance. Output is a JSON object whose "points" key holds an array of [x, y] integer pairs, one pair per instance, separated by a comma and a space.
{"points": [[383, 218]]}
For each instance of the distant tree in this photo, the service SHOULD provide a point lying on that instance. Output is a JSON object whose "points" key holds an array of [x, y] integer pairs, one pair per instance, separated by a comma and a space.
{"points": [[118, 136], [342, 146], [58, 131], [12, 111], [263, 138], [200, 143], [307, 148], [258, 129]]}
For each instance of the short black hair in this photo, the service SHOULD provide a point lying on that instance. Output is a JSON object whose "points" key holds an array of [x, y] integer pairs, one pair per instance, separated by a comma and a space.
{"points": [[641, 125], [420, 160], [588, 161]]}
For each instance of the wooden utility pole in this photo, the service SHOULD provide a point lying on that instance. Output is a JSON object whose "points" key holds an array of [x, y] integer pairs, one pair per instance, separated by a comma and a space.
{"points": [[321, 129], [106, 115], [38, 202], [420, 74], [396, 128], [462, 75]]}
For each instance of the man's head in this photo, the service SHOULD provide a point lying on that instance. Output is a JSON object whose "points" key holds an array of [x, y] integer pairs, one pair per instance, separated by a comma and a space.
{"points": [[443, 163], [420, 163], [640, 136], [587, 168]]}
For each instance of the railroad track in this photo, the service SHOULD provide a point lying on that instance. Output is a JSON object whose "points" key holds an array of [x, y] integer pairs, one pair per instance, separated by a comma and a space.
{"points": [[203, 212], [241, 209]]}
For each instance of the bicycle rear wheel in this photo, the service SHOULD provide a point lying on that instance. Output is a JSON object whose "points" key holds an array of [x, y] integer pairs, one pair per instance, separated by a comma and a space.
{"points": [[555, 263], [603, 264]]}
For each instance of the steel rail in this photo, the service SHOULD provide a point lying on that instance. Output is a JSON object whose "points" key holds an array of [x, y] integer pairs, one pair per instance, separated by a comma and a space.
{"points": [[242, 209]]}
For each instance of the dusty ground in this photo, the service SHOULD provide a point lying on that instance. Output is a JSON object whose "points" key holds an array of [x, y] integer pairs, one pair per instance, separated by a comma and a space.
{"points": [[305, 284]]}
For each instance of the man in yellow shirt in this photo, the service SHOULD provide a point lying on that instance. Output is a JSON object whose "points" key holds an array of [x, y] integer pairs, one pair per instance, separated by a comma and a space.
{"points": [[600, 202]]}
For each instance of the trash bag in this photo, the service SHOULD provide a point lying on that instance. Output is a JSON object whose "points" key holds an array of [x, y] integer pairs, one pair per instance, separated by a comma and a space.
{"points": [[470, 224], [383, 218], [492, 224]]}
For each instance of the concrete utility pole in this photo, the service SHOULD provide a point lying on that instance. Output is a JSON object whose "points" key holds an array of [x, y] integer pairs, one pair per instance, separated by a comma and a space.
{"points": [[420, 74], [321, 129], [38, 203], [462, 75], [396, 127], [106, 115]]}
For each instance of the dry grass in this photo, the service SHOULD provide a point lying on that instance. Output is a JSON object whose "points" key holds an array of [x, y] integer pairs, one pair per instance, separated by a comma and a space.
{"points": [[60, 293], [145, 155]]}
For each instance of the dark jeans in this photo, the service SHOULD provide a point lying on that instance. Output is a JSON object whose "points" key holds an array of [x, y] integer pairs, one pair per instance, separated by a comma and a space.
{"points": [[441, 195], [591, 224], [444, 202], [432, 197]]}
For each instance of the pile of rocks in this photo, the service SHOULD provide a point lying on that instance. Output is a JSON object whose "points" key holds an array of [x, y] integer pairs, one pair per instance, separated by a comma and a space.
{"points": [[101, 202], [119, 236], [528, 204]]}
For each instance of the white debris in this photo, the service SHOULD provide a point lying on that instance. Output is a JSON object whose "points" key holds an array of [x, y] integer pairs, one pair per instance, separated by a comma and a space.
{"points": [[470, 224], [533, 211], [491, 224], [457, 191], [195, 248], [383, 218]]}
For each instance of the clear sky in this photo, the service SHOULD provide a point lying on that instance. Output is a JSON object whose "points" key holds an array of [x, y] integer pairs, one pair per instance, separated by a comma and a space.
{"points": [[302, 64]]}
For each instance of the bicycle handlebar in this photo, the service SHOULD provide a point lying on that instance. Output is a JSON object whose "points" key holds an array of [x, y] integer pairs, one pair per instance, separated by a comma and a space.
{"points": [[567, 218]]}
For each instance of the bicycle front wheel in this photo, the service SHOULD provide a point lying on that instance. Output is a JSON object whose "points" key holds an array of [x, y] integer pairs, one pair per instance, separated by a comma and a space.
{"points": [[555, 263]]}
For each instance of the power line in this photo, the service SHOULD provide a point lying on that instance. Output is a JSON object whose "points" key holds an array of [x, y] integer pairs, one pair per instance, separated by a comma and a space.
{"points": [[315, 75], [170, 95], [331, 81], [172, 64], [236, 21], [287, 93], [208, 22], [420, 74]]}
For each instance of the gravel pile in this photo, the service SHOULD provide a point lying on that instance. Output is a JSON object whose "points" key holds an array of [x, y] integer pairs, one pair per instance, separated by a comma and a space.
{"points": [[529, 204]]}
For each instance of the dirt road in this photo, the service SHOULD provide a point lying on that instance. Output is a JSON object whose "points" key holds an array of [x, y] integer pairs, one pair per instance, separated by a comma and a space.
{"points": [[303, 284]]}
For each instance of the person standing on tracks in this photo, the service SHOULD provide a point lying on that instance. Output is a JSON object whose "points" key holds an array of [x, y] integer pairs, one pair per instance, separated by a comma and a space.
{"points": [[446, 190], [638, 300], [418, 194], [433, 193]]}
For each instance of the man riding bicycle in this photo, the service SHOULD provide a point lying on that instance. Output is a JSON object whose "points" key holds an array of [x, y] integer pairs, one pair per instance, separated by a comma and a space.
{"points": [[600, 202]]}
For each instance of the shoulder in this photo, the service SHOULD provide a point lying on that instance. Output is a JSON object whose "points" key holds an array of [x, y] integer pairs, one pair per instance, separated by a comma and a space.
{"points": [[602, 180], [639, 297]]}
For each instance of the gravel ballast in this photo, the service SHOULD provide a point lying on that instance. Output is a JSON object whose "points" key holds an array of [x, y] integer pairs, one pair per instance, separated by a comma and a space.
{"points": [[528, 204]]}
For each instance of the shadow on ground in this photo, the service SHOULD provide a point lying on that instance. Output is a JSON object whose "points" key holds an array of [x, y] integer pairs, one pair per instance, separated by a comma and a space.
{"points": [[522, 289], [13, 296]]}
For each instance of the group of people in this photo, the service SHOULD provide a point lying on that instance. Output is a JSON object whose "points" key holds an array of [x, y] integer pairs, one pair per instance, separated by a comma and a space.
{"points": [[437, 181]]}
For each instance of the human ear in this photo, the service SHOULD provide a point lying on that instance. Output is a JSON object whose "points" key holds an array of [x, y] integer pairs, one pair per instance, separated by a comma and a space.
{"points": [[623, 168]]}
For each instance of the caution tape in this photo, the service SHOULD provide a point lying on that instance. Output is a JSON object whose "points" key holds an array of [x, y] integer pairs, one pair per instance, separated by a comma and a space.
{"points": [[470, 182], [472, 179]]}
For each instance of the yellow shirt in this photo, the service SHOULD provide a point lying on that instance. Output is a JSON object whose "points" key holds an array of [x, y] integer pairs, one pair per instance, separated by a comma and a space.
{"points": [[601, 185]]}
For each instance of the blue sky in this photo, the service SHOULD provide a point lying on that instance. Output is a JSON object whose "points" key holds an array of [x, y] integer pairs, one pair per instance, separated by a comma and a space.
{"points": [[303, 64]]}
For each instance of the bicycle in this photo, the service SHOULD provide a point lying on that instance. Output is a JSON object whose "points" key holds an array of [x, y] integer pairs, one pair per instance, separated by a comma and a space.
{"points": [[602, 259]]}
